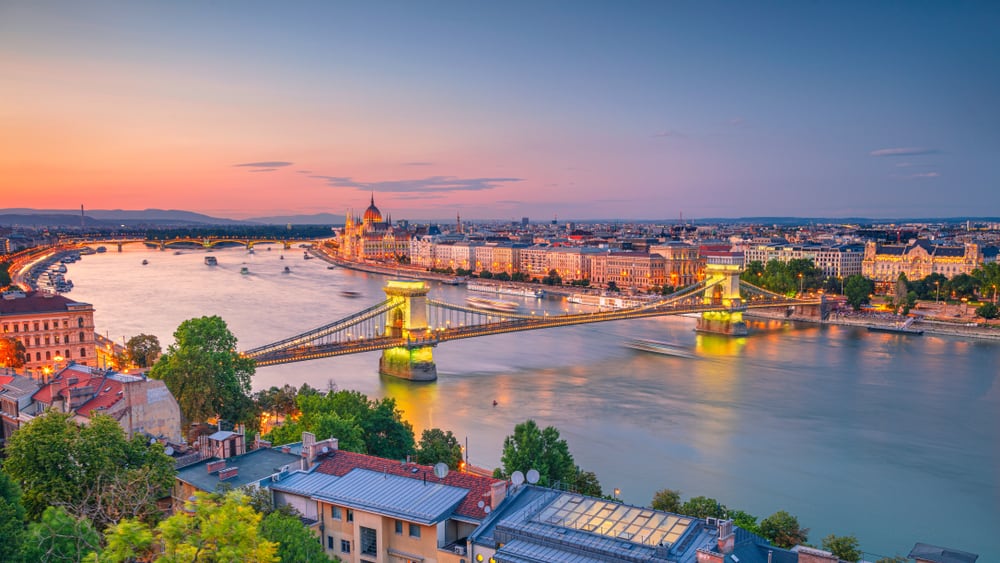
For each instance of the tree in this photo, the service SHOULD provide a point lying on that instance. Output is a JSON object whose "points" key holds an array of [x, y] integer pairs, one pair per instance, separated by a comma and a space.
{"points": [[295, 543], [745, 520], [92, 470], [893, 559], [612, 286], [211, 529], [12, 353], [553, 278], [541, 450], [143, 349], [783, 530], [857, 290], [11, 519], [205, 373], [703, 507], [844, 547], [668, 500], [586, 483], [987, 311], [57, 536], [438, 446]]}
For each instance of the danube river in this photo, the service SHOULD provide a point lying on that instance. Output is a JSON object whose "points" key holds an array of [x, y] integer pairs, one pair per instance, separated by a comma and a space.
{"points": [[891, 438]]}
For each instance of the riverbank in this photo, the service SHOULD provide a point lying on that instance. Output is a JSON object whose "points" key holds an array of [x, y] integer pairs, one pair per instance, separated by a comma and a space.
{"points": [[929, 326]]}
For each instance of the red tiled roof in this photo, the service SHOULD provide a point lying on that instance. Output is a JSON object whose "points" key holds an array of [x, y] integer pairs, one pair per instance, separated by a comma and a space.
{"points": [[341, 463], [5, 379], [109, 394], [35, 302]]}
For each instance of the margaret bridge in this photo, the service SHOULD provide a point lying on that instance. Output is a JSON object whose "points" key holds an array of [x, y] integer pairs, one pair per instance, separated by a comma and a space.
{"points": [[407, 325]]}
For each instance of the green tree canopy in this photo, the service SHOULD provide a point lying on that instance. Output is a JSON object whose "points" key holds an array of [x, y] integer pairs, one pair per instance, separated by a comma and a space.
{"points": [[987, 311], [295, 543], [703, 507], [783, 529], [543, 450], [11, 519], [844, 547], [439, 446], [92, 470], [586, 483], [58, 536], [206, 374], [142, 349], [857, 290], [668, 500]]}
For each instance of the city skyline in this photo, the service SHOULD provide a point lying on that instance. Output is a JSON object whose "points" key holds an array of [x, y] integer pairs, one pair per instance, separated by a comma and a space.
{"points": [[575, 110]]}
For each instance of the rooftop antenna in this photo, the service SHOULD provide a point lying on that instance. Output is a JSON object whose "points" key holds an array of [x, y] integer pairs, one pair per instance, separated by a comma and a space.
{"points": [[81, 216]]}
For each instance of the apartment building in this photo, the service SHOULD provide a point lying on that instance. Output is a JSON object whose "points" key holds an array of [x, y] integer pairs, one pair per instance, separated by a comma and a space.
{"points": [[53, 329]]}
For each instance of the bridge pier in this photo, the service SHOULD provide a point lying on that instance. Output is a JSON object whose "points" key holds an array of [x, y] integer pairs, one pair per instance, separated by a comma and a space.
{"points": [[415, 359], [119, 247], [722, 271]]}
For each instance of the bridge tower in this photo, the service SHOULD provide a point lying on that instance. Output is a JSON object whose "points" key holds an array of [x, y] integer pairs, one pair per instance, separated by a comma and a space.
{"points": [[722, 272], [413, 360]]}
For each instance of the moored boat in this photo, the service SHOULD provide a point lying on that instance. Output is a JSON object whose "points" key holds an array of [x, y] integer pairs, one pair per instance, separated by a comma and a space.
{"points": [[506, 289], [351, 294], [211, 261], [491, 304], [244, 270], [657, 347]]}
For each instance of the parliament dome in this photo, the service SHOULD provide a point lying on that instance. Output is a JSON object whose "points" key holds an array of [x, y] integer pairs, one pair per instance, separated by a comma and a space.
{"points": [[372, 214]]}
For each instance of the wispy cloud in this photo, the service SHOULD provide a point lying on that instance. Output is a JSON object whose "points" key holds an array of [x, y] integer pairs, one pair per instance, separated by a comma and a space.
{"points": [[904, 151], [265, 164], [419, 163], [925, 175], [264, 170], [419, 185], [669, 133], [304, 171]]}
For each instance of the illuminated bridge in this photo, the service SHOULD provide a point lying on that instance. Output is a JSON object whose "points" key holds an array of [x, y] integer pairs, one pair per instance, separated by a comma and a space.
{"points": [[408, 324], [204, 242]]}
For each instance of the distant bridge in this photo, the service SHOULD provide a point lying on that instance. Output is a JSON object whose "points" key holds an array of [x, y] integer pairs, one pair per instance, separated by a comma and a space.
{"points": [[204, 242], [407, 325]]}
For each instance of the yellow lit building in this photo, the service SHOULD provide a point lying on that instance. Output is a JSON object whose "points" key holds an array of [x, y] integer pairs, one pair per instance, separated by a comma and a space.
{"points": [[52, 328], [883, 263], [369, 237]]}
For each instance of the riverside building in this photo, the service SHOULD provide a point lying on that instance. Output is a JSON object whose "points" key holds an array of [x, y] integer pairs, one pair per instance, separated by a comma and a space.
{"points": [[53, 329]]}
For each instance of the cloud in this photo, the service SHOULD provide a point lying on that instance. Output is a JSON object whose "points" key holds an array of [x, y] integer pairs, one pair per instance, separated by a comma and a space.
{"points": [[264, 170], [418, 163], [419, 185], [669, 133], [925, 175], [265, 164], [304, 171], [904, 151]]}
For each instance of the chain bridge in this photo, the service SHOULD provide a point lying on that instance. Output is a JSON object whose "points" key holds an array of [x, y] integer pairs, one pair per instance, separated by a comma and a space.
{"points": [[407, 325]]}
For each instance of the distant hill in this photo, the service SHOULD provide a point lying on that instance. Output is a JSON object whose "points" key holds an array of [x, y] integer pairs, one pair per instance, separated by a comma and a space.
{"points": [[109, 217], [314, 219]]}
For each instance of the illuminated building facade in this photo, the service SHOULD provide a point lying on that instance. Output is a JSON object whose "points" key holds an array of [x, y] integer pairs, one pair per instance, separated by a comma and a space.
{"points": [[52, 328], [370, 237], [682, 266], [635, 271], [883, 263]]}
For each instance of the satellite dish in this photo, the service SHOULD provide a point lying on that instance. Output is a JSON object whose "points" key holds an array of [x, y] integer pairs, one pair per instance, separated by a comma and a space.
{"points": [[486, 510], [151, 440], [480, 504], [441, 470], [517, 478], [169, 451], [325, 449], [533, 476]]}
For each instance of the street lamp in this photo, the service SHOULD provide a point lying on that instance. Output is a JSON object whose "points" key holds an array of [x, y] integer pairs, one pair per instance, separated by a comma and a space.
{"points": [[800, 283], [937, 290]]}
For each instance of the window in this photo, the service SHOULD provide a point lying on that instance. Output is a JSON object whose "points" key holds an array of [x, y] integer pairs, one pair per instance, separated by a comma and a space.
{"points": [[38, 356], [46, 325], [48, 355], [399, 527], [350, 515], [79, 322], [345, 546], [335, 513], [36, 326], [369, 541], [414, 531], [6, 327], [16, 327], [83, 352], [81, 337], [329, 542], [66, 355], [37, 341], [57, 339]]}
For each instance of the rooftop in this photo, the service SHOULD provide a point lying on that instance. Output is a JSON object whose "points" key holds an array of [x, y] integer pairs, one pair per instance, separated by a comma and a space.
{"points": [[37, 302], [426, 502], [253, 467], [927, 552]]}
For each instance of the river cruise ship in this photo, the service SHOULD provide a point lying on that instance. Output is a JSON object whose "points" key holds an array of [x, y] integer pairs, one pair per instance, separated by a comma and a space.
{"points": [[506, 290], [491, 304]]}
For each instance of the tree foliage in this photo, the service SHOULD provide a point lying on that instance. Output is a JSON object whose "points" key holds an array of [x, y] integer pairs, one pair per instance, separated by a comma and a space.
{"points": [[92, 470], [668, 500], [295, 543], [987, 311], [58, 536], [784, 277], [745, 520], [211, 529], [783, 530], [857, 289], [439, 446], [844, 547], [206, 374], [586, 483], [362, 425], [543, 450], [703, 507], [12, 353], [11, 519], [142, 349]]}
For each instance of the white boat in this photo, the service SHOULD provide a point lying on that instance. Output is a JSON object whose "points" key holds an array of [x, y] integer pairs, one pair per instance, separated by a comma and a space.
{"points": [[244, 270], [506, 290], [211, 261], [491, 304], [604, 301], [62, 269], [657, 347]]}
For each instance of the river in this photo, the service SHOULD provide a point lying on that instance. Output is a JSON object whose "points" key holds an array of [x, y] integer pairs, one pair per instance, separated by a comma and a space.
{"points": [[895, 439]]}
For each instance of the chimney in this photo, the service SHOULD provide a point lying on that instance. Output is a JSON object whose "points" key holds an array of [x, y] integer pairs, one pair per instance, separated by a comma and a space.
{"points": [[228, 473], [214, 466], [727, 538]]}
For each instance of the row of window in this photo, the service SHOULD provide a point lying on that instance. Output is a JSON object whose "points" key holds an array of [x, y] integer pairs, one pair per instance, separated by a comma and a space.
{"points": [[48, 355], [49, 340], [38, 326]]}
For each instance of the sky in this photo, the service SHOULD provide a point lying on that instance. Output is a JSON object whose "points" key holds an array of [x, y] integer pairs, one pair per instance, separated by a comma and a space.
{"points": [[498, 110]]}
